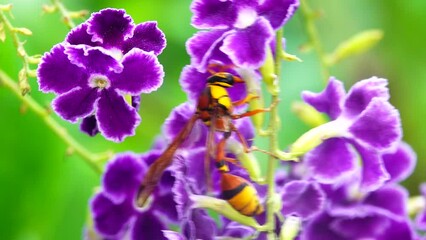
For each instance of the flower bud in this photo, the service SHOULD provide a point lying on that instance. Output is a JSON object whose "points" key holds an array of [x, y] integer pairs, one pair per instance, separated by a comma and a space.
{"points": [[247, 160], [290, 228], [268, 73], [309, 115], [357, 44], [2, 32]]}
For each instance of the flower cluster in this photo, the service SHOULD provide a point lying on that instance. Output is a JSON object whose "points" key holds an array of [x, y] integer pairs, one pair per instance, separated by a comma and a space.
{"points": [[350, 166], [102, 61]]}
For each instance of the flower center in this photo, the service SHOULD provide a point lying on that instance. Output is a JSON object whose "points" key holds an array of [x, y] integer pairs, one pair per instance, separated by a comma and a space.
{"points": [[246, 18], [99, 81]]}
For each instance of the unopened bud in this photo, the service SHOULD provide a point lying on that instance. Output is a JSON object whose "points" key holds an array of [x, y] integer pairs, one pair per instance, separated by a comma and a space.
{"points": [[290, 228], [79, 14], [357, 44], [6, 7], [247, 160], [23, 31], [268, 73], [2, 32], [49, 8], [34, 59], [23, 82], [309, 115]]}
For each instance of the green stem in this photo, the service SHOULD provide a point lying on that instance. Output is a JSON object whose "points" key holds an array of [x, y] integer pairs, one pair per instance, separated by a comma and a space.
{"points": [[313, 36], [94, 160], [65, 13], [273, 143], [19, 45]]}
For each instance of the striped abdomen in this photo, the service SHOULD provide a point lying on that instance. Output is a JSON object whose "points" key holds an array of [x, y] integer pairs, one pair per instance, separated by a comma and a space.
{"points": [[240, 194]]}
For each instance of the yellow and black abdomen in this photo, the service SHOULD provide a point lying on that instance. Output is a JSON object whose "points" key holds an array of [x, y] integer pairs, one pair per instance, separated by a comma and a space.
{"points": [[240, 194], [220, 94]]}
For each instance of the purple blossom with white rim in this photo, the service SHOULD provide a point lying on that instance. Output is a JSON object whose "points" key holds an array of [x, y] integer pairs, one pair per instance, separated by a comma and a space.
{"points": [[372, 217], [421, 217], [102, 60], [113, 209], [364, 125], [242, 29], [89, 82]]}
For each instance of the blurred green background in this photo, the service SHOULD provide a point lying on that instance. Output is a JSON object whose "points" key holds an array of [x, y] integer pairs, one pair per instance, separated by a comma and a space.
{"points": [[44, 192]]}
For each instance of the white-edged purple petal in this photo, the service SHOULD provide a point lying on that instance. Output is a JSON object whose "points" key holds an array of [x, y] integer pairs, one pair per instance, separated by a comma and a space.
{"points": [[75, 104], [331, 161], [122, 177], [362, 92], [373, 172], [420, 220], [379, 125], [110, 27], [142, 73], [171, 235], [57, 74], [148, 226], [116, 118], [166, 206], [203, 44], [148, 37], [330, 100], [302, 198], [318, 228], [89, 125], [278, 12], [93, 59], [400, 163], [236, 230], [110, 219], [79, 35], [193, 82], [365, 227], [398, 230], [199, 225], [178, 119], [213, 14], [382, 196], [247, 47]]}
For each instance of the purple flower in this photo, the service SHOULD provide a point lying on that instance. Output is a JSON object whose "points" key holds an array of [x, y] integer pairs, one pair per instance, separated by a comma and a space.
{"points": [[421, 217], [113, 209], [364, 124], [102, 60], [372, 217], [240, 29]]}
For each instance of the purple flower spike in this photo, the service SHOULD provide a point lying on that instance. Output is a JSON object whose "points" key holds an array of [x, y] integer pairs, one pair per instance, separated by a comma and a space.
{"points": [[114, 210], [242, 29], [363, 120], [101, 60], [421, 217], [303, 199]]}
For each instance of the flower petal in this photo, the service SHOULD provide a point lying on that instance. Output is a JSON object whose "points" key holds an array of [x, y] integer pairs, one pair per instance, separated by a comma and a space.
{"points": [[142, 73], [110, 27], [213, 14], [148, 226], [302, 198], [331, 161], [89, 125], [116, 119], [204, 45], [57, 74], [236, 230], [77, 103], [362, 92], [400, 163], [109, 218], [199, 225], [373, 173], [398, 230], [278, 16], [165, 205], [93, 59], [380, 198], [148, 37], [367, 227], [79, 35], [171, 235], [319, 229], [379, 125], [193, 82], [330, 100], [247, 47], [122, 177]]}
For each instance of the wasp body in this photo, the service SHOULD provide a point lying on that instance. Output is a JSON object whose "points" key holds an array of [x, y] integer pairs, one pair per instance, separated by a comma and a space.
{"points": [[214, 108]]}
